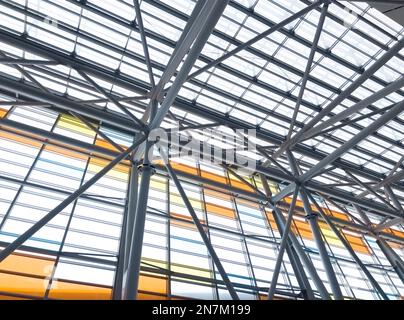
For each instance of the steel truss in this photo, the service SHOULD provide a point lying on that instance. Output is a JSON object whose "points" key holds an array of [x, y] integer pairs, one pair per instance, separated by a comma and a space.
{"points": [[296, 176]]}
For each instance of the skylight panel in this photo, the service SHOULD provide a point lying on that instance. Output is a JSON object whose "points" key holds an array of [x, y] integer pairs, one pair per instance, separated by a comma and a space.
{"points": [[97, 54], [11, 20], [350, 54], [383, 21], [50, 34], [166, 25], [10, 71], [104, 32], [292, 59], [213, 104], [118, 8], [268, 77], [55, 13], [227, 26], [185, 6], [270, 11]]}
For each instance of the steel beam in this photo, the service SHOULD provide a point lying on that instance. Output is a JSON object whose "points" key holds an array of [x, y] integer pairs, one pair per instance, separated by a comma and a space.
{"points": [[200, 228], [384, 225], [304, 284], [282, 246], [357, 107], [270, 172], [392, 258], [204, 33], [297, 266], [393, 198], [368, 188], [354, 85], [347, 246], [39, 95], [382, 120], [199, 17], [303, 257], [101, 90], [308, 68], [49, 216], [24, 62], [262, 35], [144, 42], [318, 238]]}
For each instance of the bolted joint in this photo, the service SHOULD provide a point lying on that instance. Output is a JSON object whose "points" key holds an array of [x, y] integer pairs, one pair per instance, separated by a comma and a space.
{"points": [[146, 166], [311, 216]]}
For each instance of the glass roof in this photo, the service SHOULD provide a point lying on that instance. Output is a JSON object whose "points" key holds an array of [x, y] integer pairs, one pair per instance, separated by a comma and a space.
{"points": [[255, 88]]}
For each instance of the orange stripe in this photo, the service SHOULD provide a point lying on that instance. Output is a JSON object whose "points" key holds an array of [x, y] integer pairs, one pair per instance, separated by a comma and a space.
{"points": [[3, 112], [189, 223], [214, 177], [153, 284], [221, 211], [73, 291]]}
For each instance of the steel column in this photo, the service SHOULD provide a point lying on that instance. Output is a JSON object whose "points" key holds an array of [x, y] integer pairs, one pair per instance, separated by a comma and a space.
{"points": [[297, 266], [303, 257], [392, 258], [312, 220], [304, 284], [136, 243], [200, 228], [346, 244], [318, 238], [282, 246]]}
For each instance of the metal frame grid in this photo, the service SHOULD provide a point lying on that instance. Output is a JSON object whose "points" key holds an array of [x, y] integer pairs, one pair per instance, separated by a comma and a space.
{"points": [[86, 214]]}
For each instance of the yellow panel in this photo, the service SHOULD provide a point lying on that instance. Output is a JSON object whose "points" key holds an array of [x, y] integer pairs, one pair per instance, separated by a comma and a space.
{"points": [[3, 112], [73, 124], [219, 210], [155, 262], [180, 268], [27, 265], [159, 185], [73, 291], [153, 284], [265, 297], [302, 228], [120, 171], [196, 204], [22, 285], [397, 233], [66, 152]]}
